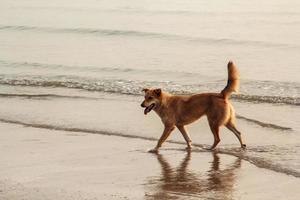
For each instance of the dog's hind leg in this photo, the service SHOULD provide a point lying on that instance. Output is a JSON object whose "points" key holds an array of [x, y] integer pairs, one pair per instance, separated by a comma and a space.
{"points": [[237, 133], [186, 136], [215, 130]]}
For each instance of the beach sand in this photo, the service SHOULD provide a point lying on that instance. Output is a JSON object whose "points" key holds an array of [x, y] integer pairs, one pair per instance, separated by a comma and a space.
{"points": [[40, 164]]}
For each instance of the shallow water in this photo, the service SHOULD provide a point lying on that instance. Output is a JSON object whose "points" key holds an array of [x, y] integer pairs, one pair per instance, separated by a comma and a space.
{"points": [[96, 56]]}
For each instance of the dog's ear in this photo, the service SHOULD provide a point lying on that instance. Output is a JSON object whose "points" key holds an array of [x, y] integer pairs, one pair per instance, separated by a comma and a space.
{"points": [[145, 90], [157, 92]]}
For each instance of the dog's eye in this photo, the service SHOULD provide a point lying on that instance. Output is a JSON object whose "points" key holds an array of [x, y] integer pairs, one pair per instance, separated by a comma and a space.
{"points": [[149, 98]]}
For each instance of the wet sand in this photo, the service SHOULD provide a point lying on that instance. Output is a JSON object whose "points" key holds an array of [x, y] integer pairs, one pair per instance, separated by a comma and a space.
{"points": [[38, 164]]}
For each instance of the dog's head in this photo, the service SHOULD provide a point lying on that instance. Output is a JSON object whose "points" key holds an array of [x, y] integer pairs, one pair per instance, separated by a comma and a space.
{"points": [[152, 99]]}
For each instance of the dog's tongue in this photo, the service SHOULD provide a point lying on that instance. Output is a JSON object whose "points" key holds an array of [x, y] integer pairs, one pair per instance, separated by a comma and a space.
{"points": [[146, 111]]}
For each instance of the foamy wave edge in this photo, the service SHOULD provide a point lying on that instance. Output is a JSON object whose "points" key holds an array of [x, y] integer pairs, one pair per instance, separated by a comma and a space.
{"points": [[131, 87]]}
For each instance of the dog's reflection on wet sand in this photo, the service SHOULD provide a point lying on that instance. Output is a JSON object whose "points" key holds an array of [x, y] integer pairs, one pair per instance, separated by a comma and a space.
{"points": [[180, 182]]}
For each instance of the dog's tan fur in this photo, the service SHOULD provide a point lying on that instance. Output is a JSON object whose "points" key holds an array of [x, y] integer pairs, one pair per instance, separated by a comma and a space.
{"points": [[178, 111]]}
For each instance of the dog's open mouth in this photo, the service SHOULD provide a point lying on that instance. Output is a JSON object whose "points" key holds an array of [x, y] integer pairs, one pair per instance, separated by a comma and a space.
{"points": [[149, 108]]}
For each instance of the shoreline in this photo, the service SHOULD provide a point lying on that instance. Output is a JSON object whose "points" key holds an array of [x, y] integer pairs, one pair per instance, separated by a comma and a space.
{"points": [[41, 163], [237, 152]]}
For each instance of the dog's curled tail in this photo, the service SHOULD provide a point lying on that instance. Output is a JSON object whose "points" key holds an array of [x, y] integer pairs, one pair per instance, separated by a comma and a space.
{"points": [[233, 83]]}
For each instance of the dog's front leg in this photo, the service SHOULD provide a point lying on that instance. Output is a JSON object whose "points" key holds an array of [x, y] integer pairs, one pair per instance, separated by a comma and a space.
{"points": [[167, 131], [186, 136]]}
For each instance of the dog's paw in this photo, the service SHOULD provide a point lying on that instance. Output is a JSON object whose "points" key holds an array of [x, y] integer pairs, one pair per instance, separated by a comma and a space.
{"points": [[243, 146], [155, 150], [188, 148]]}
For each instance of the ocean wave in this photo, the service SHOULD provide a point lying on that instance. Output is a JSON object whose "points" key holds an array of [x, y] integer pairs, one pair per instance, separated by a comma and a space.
{"points": [[87, 68], [43, 96], [251, 90], [134, 87], [267, 99], [259, 161], [143, 34]]}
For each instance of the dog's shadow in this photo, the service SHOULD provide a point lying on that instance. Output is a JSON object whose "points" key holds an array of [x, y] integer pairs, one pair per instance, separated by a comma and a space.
{"points": [[179, 182]]}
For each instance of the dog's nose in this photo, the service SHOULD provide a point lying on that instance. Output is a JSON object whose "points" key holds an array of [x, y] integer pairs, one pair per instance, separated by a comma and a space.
{"points": [[142, 105]]}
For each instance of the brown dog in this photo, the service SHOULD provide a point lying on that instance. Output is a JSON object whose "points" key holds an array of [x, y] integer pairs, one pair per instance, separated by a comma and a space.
{"points": [[178, 111]]}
